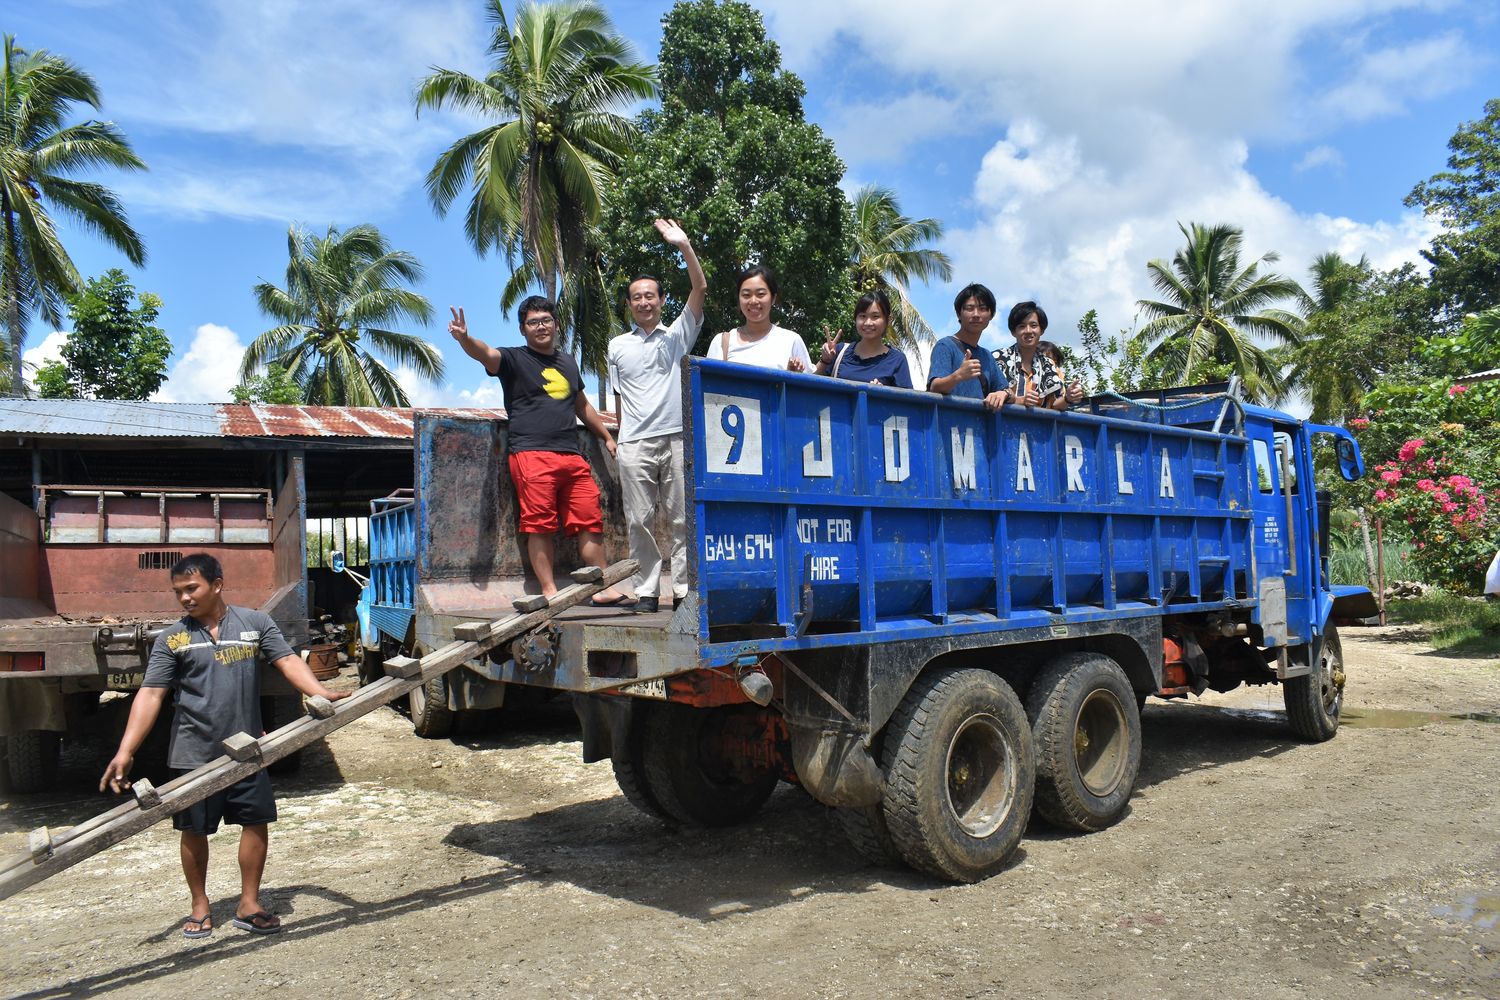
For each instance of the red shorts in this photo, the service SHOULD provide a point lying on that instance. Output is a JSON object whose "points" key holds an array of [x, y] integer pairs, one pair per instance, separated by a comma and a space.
{"points": [[556, 491]]}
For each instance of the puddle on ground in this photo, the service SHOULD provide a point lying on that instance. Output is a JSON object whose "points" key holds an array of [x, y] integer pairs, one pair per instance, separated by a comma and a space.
{"points": [[1481, 911], [1368, 718]]}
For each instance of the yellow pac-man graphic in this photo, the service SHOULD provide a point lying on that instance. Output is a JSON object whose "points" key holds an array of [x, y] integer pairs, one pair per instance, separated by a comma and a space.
{"points": [[555, 384]]}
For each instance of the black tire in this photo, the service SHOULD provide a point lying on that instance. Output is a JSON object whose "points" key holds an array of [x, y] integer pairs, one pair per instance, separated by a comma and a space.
{"points": [[869, 835], [960, 774], [31, 760], [276, 712], [431, 718], [683, 776], [1087, 730], [630, 767], [1314, 701]]}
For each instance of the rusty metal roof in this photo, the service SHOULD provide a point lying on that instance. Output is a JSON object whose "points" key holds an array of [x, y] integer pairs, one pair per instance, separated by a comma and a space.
{"points": [[149, 420]]}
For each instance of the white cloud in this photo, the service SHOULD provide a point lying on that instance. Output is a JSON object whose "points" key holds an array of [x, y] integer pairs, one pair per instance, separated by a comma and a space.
{"points": [[333, 80], [1079, 238], [882, 131], [209, 369], [1113, 122], [49, 350], [1320, 156]]}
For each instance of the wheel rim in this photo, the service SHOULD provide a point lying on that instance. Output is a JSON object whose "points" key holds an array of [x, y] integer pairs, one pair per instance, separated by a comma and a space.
{"points": [[1099, 743], [982, 774], [1331, 681], [418, 698]]}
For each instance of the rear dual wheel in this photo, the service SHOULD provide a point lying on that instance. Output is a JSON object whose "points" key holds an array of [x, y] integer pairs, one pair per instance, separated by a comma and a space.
{"points": [[1087, 728], [959, 775]]}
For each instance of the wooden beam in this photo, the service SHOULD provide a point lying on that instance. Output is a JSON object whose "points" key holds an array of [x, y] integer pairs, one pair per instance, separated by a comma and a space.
{"points": [[68, 848]]}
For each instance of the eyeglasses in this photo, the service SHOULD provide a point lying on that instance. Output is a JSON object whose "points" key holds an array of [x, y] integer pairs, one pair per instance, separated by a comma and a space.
{"points": [[540, 323]]}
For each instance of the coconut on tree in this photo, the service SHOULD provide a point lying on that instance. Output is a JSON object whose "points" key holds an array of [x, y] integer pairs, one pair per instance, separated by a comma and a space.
{"points": [[38, 156], [343, 294], [1216, 313], [537, 173]]}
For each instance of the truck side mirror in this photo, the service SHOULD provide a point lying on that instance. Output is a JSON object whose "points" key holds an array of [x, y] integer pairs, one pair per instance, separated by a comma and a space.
{"points": [[1351, 466], [336, 559]]}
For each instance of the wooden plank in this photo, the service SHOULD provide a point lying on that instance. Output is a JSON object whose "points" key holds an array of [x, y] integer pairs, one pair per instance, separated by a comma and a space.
{"points": [[471, 631], [124, 821], [146, 795], [242, 746]]}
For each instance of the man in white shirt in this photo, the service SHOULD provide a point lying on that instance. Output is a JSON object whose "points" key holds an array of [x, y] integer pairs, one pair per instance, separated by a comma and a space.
{"points": [[644, 367]]}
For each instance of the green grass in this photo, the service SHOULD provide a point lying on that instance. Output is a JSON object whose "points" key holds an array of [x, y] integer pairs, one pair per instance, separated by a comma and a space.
{"points": [[1467, 626], [1346, 560]]}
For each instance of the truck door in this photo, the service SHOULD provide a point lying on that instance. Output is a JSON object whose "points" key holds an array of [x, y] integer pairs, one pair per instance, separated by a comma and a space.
{"points": [[1281, 569]]}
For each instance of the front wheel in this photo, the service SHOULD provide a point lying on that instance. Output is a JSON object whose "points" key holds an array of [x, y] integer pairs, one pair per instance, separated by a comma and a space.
{"points": [[960, 773], [1314, 700], [1087, 730]]}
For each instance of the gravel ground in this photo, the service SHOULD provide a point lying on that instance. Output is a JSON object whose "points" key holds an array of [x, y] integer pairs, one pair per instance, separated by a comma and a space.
{"points": [[1249, 865]]}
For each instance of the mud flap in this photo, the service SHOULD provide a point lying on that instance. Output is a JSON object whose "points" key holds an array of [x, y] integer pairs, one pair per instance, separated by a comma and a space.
{"points": [[27, 705], [834, 767], [606, 724]]}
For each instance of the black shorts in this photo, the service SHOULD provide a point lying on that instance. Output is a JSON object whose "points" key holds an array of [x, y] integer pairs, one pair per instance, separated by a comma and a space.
{"points": [[247, 802]]}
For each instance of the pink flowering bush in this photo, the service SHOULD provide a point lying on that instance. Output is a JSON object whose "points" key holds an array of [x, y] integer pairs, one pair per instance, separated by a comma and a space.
{"points": [[1432, 455]]}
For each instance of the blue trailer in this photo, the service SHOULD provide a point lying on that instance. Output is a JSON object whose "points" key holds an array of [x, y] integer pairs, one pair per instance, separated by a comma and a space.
{"points": [[930, 616]]}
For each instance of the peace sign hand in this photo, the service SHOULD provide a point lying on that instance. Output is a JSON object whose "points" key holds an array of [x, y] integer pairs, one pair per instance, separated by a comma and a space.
{"points": [[830, 345], [458, 326]]}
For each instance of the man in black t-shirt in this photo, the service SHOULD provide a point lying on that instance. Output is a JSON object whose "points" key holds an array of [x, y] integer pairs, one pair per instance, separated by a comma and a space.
{"points": [[544, 399]]}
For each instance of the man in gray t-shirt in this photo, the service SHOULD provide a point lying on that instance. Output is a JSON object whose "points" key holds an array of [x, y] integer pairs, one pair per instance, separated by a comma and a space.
{"points": [[644, 367], [211, 659]]}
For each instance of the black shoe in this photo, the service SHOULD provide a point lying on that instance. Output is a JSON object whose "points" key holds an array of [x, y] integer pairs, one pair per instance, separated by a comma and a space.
{"points": [[677, 602], [646, 605]]}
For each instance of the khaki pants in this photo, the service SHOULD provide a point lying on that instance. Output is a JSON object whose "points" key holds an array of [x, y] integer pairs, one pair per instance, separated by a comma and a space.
{"points": [[651, 479]]}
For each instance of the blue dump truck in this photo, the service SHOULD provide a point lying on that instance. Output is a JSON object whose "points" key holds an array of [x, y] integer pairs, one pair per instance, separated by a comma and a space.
{"points": [[931, 617]]}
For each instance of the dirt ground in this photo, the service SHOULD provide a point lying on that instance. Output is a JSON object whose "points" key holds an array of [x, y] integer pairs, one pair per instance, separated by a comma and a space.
{"points": [[1249, 865]]}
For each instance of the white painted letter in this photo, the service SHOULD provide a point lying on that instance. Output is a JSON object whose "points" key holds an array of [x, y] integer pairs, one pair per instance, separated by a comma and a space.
{"points": [[1124, 485], [1024, 479], [897, 449], [1073, 459], [1166, 476], [817, 457], [964, 475]]}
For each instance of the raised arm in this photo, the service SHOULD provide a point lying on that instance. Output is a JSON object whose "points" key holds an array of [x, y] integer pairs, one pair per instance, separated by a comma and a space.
{"points": [[476, 349], [671, 230]]}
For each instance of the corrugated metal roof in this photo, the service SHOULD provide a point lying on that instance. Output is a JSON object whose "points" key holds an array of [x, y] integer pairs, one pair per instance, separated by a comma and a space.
{"points": [[1486, 376], [108, 418], [119, 418]]}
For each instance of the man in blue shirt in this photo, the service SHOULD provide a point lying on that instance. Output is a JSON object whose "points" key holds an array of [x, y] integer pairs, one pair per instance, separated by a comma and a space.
{"points": [[958, 366]]}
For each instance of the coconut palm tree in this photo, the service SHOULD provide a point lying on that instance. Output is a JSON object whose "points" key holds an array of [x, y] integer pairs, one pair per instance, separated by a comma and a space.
{"points": [[37, 153], [538, 171], [1215, 309], [888, 254], [1317, 367], [342, 295]]}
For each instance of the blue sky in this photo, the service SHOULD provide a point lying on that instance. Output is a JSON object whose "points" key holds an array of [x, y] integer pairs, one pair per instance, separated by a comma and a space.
{"points": [[1059, 143]]}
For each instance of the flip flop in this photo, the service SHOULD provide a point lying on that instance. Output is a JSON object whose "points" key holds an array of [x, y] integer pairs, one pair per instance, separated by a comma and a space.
{"points": [[259, 922], [203, 928], [617, 602]]}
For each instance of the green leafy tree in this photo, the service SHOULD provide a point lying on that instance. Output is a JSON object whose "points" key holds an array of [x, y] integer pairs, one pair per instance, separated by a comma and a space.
{"points": [[1361, 326], [1215, 309], [731, 156], [115, 350], [537, 174], [342, 295], [1465, 198], [274, 385], [38, 153], [889, 254]]}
